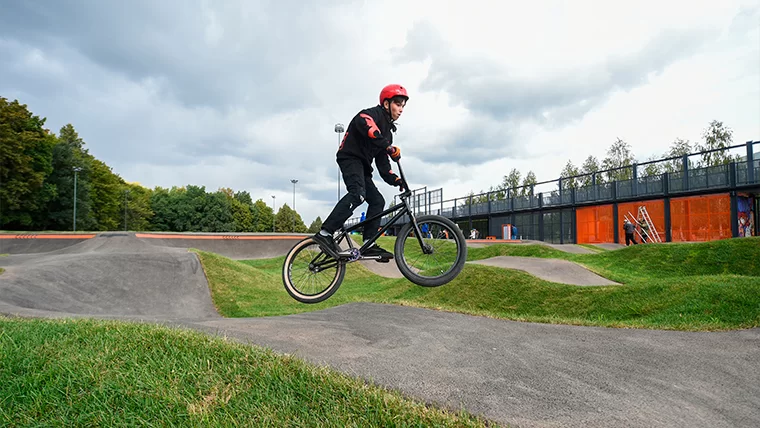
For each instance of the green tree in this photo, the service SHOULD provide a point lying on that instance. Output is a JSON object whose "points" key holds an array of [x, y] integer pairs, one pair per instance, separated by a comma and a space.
{"points": [[619, 160], [652, 169], [678, 148], [568, 174], [161, 204], [213, 212], [463, 202], [106, 195], [287, 220], [590, 166], [26, 153], [716, 137], [69, 153], [136, 203], [244, 197], [174, 209], [263, 216], [527, 185], [511, 182], [240, 207], [315, 226], [241, 215]]}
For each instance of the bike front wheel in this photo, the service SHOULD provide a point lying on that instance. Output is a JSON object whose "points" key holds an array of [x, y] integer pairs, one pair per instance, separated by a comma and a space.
{"points": [[309, 274], [441, 256]]}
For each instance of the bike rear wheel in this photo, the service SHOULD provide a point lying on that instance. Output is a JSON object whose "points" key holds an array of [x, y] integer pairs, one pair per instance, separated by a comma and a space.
{"points": [[310, 275], [444, 257]]}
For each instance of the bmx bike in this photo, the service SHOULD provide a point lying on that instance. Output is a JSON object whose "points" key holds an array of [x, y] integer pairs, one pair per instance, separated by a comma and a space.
{"points": [[430, 251]]}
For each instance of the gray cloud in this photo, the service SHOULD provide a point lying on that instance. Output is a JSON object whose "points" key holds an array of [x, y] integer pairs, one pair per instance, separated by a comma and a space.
{"points": [[203, 55], [177, 81], [500, 101], [487, 88]]}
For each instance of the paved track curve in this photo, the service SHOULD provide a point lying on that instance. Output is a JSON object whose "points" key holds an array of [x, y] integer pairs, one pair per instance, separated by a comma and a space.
{"points": [[523, 374]]}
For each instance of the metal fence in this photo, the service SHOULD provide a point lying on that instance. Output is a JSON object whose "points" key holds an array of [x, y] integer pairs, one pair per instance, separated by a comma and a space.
{"points": [[739, 172]]}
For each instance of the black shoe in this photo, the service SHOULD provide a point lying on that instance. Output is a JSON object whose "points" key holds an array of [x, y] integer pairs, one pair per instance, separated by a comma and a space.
{"points": [[327, 244], [377, 251]]}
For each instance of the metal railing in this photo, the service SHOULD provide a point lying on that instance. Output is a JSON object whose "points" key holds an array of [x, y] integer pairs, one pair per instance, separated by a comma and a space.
{"points": [[687, 179]]}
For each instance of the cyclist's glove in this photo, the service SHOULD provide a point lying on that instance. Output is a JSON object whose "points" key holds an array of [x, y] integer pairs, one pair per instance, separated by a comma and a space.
{"points": [[399, 183], [394, 152]]}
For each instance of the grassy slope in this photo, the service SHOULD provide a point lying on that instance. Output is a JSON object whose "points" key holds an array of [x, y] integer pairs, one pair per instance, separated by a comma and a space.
{"points": [[107, 373], [710, 286]]}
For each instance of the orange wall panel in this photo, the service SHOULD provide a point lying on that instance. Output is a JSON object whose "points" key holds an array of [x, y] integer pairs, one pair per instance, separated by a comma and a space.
{"points": [[655, 209], [594, 224], [700, 218]]}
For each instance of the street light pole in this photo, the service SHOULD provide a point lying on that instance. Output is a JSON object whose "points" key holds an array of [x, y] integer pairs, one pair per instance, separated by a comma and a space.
{"points": [[126, 193], [76, 171], [294, 181], [339, 130], [273, 215]]}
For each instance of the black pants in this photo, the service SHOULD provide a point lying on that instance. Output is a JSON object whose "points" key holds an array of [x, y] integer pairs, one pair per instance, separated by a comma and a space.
{"points": [[630, 238], [360, 188]]}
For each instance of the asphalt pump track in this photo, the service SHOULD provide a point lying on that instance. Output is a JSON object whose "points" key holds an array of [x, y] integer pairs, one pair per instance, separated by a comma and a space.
{"points": [[522, 374]]}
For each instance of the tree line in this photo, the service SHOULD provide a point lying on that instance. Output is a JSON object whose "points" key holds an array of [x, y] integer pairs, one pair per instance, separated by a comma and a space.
{"points": [[618, 165], [46, 178]]}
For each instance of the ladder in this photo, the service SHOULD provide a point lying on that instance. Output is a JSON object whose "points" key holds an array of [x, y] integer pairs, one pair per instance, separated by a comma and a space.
{"points": [[653, 235], [644, 215]]}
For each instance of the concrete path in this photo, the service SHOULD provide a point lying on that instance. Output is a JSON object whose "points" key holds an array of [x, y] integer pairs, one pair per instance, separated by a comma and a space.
{"points": [[523, 374], [111, 275], [571, 248], [553, 270]]}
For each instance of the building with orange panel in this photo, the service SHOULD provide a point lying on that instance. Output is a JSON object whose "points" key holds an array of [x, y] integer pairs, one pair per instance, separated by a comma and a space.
{"points": [[655, 209], [700, 218], [681, 199], [594, 225]]}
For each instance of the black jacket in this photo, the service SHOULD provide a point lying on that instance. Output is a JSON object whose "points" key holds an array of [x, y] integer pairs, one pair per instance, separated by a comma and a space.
{"points": [[367, 137]]}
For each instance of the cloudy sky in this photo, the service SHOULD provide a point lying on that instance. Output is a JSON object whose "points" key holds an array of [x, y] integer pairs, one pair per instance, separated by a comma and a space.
{"points": [[245, 94]]}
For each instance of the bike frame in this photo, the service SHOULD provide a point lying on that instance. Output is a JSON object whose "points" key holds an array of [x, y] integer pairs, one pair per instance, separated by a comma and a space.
{"points": [[402, 208]]}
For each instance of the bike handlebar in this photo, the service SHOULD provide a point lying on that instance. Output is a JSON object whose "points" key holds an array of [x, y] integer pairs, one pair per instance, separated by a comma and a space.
{"points": [[406, 192]]}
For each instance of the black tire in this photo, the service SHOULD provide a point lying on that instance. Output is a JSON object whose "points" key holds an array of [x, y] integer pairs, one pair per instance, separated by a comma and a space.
{"points": [[302, 281], [435, 270]]}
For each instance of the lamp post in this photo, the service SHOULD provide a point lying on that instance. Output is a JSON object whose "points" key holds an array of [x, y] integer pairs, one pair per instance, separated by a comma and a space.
{"points": [[339, 130], [76, 171], [294, 181], [273, 215], [126, 193]]}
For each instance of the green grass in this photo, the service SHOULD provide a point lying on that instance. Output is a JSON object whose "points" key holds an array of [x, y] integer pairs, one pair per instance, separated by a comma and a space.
{"points": [[253, 288], [706, 286], [593, 248], [725, 257], [107, 373]]}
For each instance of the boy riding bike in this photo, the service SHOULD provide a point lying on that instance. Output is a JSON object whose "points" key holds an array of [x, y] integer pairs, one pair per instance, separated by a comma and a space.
{"points": [[368, 137]]}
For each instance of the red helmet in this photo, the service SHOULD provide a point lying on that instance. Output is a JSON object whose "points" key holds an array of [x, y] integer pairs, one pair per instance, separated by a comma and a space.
{"points": [[391, 91]]}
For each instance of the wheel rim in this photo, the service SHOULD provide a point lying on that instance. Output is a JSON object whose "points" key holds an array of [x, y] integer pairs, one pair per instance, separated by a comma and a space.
{"points": [[311, 271], [443, 255]]}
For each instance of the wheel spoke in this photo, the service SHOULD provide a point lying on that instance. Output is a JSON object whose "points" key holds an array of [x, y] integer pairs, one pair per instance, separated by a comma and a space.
{"points": [[309, 274], [446, 255]]}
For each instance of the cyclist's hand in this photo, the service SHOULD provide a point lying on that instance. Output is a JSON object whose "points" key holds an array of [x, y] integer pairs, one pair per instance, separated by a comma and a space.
{"points": [[400, 185], [394, 152]]}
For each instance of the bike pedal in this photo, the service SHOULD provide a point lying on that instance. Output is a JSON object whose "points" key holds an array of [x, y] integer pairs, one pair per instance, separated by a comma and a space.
{"points": [[383, 260]]}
